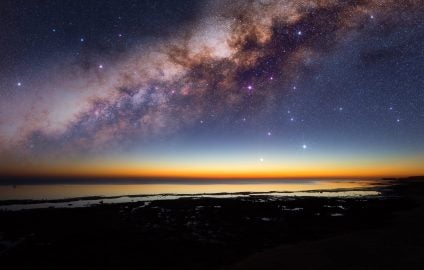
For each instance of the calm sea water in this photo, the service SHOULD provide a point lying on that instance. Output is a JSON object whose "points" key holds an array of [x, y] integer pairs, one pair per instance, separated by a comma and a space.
{"points": [[66, 191], [77, 195]]}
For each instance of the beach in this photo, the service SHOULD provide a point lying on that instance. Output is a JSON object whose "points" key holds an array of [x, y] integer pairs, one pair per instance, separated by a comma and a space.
{"points": [[263, 231]]}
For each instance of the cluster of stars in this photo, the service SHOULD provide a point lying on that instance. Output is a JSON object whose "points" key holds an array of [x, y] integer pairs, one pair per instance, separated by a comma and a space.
{"points": [[259, 80]]}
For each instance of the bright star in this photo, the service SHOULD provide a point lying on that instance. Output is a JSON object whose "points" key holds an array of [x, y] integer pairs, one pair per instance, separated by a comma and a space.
{"points": [[269, 133], [19, 84], [261, 159], [304, 146], [100, 66]]}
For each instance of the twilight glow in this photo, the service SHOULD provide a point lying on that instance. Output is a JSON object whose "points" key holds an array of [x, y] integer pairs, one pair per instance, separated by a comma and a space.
{"points": [[249, 89]]}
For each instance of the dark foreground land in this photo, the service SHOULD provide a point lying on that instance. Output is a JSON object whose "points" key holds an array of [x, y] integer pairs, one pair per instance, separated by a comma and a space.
{"points": [[239, 233]]}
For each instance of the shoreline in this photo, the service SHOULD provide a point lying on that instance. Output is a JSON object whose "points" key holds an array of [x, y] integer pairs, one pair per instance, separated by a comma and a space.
{"points": [[375, 189], [252, 232]]}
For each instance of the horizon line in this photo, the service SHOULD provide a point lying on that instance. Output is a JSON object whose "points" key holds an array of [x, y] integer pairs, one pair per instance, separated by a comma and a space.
{"points": [[37, 180]]}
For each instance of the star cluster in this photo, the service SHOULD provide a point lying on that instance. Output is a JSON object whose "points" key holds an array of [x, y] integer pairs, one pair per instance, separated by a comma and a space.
{"points": [[302, 74]]}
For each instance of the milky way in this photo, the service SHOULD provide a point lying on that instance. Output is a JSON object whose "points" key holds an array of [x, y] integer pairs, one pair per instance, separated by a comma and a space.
{"points": [[236, 62]]}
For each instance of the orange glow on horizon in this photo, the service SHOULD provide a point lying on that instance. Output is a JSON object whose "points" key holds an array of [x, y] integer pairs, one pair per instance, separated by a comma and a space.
{"points": [[249, 172]]}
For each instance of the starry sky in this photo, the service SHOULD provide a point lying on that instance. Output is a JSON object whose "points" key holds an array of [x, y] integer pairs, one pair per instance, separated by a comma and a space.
{"points": [[185, 88]]}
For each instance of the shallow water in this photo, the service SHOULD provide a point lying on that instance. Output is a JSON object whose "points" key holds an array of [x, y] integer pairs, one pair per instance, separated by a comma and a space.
{"points": [[151, 192], [60, 191]]}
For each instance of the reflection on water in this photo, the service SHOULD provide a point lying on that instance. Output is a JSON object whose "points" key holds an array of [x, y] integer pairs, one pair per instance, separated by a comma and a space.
{"points": [[126, 199], [150, 192], [51, 192]]}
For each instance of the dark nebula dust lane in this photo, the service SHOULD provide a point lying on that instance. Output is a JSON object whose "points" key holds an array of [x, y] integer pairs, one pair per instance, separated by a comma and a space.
{"points": [[276, 71]]}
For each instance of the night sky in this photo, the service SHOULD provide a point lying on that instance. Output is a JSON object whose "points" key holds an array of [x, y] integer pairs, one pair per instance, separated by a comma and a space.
{"points": [[179, 88]]}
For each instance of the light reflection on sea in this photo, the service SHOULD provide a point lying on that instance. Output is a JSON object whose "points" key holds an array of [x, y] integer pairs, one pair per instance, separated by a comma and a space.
{"points": [[123, 193]]}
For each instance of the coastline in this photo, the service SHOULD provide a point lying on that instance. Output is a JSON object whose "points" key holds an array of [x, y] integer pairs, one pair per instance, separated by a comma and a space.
{"points": [[373, 188], [252, 232]]}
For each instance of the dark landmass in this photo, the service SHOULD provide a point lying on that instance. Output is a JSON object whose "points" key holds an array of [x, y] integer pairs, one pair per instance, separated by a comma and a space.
{"points": [[261, 232]]}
